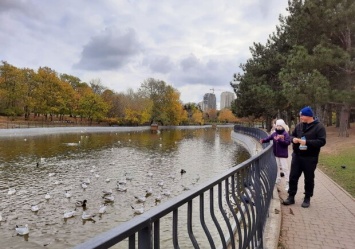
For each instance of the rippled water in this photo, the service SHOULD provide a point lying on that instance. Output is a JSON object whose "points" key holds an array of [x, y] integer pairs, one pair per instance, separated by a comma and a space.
{"points": [[104, 158]]}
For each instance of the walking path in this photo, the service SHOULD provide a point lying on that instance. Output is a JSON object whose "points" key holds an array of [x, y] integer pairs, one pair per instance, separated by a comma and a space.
{"points": [[328, 223]]}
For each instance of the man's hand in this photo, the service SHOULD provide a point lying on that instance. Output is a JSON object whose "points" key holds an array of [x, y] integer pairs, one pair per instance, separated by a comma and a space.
{"points": [[299, 141]]}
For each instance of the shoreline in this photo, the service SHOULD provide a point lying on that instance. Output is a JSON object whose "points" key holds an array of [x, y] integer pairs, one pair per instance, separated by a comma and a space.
{"points": [[62, 130], [25, 132]]}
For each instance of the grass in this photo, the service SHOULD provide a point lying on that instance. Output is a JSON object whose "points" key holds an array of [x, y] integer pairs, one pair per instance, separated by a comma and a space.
{"points": [[331, 164]]}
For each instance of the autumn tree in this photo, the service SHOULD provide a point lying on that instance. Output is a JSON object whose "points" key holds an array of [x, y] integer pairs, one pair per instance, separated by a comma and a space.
{"points": [[29, 83], [121, 102], [67, 100], [76, 85], [138, 108], [47, 92], [197, 118], [97, 87], [92, 106], [194, 113], [174, 110], [226, 116], [12, 90], [211, 115], [109, 97], [73, 81], [167, 107]]}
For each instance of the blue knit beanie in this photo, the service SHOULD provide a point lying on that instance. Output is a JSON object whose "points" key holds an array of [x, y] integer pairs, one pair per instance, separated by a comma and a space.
{"points": [[306, 111]]}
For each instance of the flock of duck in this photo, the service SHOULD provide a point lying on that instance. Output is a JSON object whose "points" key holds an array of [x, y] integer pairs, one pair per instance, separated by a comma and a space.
{"points": [[107, 197]]}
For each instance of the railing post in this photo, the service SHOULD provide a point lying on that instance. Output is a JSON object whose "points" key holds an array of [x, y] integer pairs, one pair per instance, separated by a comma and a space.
{"points": [[258, 206], [189, 225], [157, 234], [132, 241], [145, 237], [175, 229]]}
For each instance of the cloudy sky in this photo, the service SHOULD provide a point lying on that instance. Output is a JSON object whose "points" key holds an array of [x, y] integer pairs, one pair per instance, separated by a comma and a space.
{"points": [[193, 45]]}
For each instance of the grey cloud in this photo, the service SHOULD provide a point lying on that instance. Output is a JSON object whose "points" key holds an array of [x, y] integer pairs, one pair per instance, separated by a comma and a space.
{"points": [[258, 12], [159, 64], [8, 5], [110, 50], [211, 71], [264, 7], [190, 63], [21, 11]]}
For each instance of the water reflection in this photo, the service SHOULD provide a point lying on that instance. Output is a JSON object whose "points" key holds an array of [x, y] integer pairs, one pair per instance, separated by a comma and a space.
{"points": [[58, 164]]}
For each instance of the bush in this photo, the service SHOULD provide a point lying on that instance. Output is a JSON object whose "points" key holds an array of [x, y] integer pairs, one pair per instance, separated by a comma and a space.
{"points": [[111, 121]]}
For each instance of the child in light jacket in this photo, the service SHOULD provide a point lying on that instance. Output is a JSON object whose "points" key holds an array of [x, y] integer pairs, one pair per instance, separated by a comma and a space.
{"points": [[281, 141]]}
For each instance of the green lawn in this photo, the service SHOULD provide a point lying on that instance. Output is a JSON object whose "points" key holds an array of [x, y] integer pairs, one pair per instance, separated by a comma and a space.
{"points": [[332, 166]]}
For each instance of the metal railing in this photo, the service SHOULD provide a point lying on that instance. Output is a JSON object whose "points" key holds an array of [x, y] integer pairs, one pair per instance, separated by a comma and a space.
{"points": [[237, 203]]}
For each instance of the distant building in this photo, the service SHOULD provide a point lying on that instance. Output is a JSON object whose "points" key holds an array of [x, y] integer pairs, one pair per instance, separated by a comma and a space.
{"points": [[209, 102], [227, 99], [201, 105]]}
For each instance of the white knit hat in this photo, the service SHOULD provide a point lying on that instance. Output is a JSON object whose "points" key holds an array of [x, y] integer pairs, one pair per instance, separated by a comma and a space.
{"points": [[282, 123]]}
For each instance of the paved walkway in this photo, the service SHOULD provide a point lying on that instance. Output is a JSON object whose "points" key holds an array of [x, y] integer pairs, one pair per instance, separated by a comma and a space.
{"points": [[328, 223]]}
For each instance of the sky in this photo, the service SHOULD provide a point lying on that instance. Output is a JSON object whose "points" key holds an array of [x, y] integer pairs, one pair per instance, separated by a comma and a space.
{"points": [[196, 46]]}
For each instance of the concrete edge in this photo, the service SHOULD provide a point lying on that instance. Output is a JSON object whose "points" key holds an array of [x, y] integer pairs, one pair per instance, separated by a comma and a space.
{"points": [[273, 223], [250, 143]]}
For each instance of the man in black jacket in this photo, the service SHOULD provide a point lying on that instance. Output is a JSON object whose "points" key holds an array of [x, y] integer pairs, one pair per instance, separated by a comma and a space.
{"points": [[307, 138]]}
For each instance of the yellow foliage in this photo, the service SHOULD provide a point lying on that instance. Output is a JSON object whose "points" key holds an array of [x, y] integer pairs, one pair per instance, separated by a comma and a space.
{"points": [[197, 117], [226, 115], [138, 110]]}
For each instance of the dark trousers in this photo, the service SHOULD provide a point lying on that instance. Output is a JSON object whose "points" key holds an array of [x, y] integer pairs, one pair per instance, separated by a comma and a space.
{"points": [[307, 166]]}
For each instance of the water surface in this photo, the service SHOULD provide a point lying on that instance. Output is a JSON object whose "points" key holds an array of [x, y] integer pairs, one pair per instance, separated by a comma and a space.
{"points": [[65, 160]]}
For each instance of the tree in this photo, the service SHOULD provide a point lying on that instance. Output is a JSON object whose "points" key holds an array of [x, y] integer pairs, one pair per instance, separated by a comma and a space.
{"points": [[343, 35], [97, 86], [211, 115], [308, 61], [67, 100], [326, 30], [92, 106], [109, 97], [73, 81], [197, 118], [12, 90], [30, 84], [226, 115], [193, 114], [174, 109], [137, 109], [48, 92], [302, 82], [167, 107], [258, 88]]}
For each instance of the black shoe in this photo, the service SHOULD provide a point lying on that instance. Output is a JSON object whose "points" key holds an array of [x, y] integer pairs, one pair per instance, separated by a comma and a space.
{"points": [[306, 202], [289, 201], [282, 174]]}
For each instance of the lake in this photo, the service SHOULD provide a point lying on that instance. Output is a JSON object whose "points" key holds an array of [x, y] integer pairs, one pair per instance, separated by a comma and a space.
{"points": [[54, 163]]}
